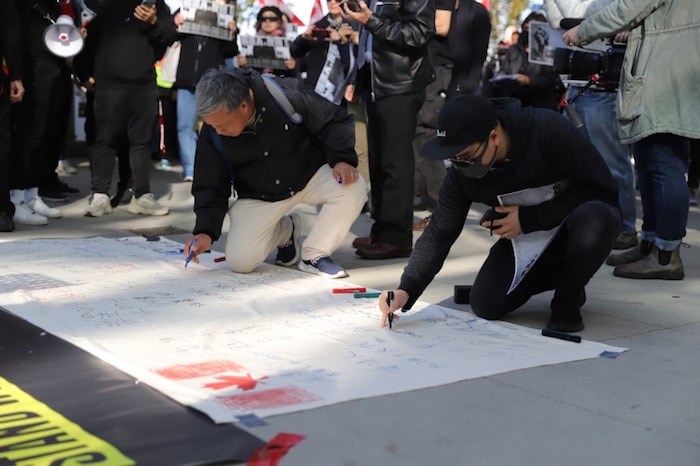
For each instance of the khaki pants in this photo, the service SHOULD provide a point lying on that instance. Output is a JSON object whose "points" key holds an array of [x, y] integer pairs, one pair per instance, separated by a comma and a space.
{"points": [[258, 227]]}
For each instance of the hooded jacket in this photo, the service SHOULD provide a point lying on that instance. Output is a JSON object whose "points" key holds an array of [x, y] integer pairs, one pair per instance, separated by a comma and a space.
{"points": [[545, 148], [659, 90]]}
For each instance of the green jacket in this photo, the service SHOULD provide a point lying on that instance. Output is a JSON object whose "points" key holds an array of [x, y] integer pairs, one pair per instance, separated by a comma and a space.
{"points": [[659, 86]]}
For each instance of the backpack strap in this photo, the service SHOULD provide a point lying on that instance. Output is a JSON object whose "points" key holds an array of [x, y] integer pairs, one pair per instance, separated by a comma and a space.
{"points": [[280, 96]]}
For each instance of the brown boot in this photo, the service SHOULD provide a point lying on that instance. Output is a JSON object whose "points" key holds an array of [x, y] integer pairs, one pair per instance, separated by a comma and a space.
{"points": [[633, 255], [650, 268]]}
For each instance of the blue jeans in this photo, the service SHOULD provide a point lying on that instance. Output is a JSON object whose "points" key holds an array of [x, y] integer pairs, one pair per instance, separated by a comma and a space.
{"points": [[186, 134], [597, 111], [661, 161]]}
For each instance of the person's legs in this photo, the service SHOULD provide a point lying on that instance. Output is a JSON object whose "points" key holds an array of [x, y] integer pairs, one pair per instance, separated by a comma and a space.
{"points": [[7, 208], [566, 266], [392, 170], [143, 114], [597, 111], [359, 111], [110, 107], [257, 228], [340, 206], [429, 173], [661, 163], [186, 134], [60, 88]]}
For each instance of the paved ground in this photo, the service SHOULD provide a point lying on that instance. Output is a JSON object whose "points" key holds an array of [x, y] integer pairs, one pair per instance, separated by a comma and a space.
{"points": [[640, 409]]}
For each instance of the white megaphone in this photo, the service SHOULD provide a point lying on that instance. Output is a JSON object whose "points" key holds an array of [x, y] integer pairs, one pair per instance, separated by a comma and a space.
{"points": [[62, 38]]}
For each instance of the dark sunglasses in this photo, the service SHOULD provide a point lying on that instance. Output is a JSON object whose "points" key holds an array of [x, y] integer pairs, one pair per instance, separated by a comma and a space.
{"points": [[471, 166], [467, 160], [269, 19]]}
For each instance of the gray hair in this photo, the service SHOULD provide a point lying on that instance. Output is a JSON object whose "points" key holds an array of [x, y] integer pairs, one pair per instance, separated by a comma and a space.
{"points": [[220, 89]]}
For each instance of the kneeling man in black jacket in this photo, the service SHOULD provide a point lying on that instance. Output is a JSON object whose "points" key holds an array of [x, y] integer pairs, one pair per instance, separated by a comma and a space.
{"points": [[280, 146], [558, 197]]}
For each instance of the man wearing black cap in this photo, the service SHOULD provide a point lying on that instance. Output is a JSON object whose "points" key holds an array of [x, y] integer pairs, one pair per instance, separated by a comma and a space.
{"points": [[556, 193]]}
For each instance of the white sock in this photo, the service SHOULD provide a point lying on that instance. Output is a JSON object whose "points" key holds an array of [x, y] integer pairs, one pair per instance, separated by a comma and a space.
{"points": [[17, 196], [31, 193]]}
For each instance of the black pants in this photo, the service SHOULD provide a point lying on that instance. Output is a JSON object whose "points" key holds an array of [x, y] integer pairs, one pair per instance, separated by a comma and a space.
{"points": [[5, 204], [429, 173], [391, 126], [566, 266], [41, 124], [120, 111]]}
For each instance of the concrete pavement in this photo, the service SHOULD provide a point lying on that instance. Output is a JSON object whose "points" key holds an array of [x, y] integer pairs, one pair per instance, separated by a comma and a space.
{"points": [[642, 408]]}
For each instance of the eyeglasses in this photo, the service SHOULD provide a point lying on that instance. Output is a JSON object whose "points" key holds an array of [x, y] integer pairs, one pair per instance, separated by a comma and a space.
{"points": [[466, 160], [269, 19]]}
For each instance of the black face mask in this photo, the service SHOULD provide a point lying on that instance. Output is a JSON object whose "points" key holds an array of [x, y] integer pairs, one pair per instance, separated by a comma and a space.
{"points": [[473, 168]]}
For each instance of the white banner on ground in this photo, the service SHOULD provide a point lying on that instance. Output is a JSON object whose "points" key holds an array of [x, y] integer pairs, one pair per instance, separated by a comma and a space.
{"points": [[270, 342]]}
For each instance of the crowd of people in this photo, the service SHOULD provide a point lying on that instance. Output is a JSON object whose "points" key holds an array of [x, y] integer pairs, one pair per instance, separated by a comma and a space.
{"points": [[391, 105]]}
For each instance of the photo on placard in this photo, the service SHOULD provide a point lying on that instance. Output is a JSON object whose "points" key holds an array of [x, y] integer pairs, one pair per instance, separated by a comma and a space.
{"points": [[207, 18], [543, 40]]}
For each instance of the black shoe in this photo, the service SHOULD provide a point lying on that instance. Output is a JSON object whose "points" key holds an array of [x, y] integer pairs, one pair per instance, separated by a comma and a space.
{"points": [[6, 222], [567, 326], [64, 188], [567, 318], [50, 194], [380, 251]]}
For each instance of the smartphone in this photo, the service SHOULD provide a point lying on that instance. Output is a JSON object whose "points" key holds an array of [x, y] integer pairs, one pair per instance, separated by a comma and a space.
{"points": [[353, 5], [148, 2], [320, 33], [492, 215]]}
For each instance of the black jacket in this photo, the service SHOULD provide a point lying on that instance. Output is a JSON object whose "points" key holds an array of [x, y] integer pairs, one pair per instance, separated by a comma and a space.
{"points": [[401, 32], [312, 54], [544, 148], [11, 41], [273, 158], [198, 54], [126, 48]]}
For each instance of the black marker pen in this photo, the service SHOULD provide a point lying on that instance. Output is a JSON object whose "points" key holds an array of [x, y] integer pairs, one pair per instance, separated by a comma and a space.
{"points": [[561, 335]]}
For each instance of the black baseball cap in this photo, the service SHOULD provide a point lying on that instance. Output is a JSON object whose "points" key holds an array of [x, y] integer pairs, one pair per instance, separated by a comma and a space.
{"points": [[461, 122]]}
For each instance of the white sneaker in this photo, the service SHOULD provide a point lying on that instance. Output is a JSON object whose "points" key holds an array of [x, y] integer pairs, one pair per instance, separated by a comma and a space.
{"points": [[39, 207], [99, 205], [65, 168], [25, 216], [147, 205]]}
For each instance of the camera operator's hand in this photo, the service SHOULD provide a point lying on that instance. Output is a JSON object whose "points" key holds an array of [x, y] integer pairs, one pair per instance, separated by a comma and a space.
{"points": [[361, 16], [570, 37], [622, 37]]}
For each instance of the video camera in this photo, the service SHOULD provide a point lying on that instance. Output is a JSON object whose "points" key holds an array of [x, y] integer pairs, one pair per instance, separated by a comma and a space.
{"points": [[602, 67]]}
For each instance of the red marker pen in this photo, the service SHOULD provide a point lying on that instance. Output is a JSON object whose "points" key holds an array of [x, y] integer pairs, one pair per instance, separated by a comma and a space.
{"points": [[360, 289]]}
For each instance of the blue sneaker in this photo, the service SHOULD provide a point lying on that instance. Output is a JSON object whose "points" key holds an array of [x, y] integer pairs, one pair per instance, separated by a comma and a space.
{"points": [[323, 266], [288, 254]]}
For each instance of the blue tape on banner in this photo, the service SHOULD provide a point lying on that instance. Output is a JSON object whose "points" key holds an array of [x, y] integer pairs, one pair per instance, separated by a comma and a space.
{"points": [[609, 355], [251, 420]]}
